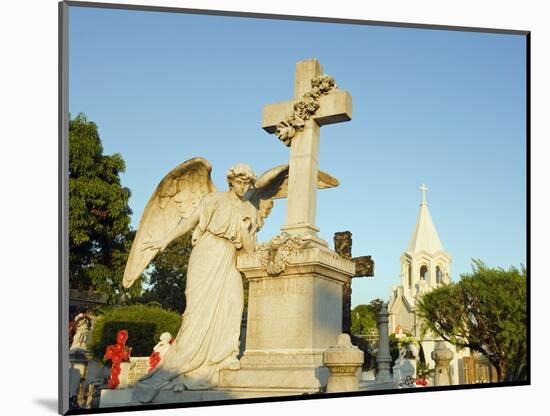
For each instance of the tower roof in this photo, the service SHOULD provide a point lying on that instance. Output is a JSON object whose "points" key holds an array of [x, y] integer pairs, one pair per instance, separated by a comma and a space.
{"points": [[425, 237]]}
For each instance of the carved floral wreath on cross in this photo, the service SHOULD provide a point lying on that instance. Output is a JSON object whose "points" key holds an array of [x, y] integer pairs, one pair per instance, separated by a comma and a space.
{"points": [[304, 109], [275, 254]]}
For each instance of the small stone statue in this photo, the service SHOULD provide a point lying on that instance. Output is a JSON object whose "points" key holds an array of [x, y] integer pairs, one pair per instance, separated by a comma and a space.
{"points": [[164, 343], [82, 328], [397, 368], [160, 350]]}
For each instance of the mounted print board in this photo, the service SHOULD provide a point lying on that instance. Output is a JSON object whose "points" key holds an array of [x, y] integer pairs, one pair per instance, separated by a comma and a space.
{"points": [[216, 168]]}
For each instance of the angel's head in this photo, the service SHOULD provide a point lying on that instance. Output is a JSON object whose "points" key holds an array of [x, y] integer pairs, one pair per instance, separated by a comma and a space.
{"points": [[240, 178]]}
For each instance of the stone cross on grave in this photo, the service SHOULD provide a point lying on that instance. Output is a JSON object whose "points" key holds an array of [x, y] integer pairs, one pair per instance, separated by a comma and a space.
{"points": [[364, 267], [297, 123]]}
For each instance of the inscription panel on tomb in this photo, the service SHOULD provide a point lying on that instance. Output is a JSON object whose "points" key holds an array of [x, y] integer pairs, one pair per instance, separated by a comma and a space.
{"points": [[327, 324], [132, 371], [274, 358], [280, 313]]}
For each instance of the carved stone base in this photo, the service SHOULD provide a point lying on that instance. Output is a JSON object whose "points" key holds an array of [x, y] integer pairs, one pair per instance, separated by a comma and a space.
{"points": [[118, 398], [295, 369], [302, 379], [292, 318]]}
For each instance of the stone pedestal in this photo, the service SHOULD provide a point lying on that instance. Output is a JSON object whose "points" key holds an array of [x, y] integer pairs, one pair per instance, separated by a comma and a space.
{"points": [[442, 356], [343, 361], [293, 317], [74, 382], [79, 360]]}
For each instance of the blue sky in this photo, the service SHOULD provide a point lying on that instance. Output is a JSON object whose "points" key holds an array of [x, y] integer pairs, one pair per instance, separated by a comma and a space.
{"points": [[429, 106]]}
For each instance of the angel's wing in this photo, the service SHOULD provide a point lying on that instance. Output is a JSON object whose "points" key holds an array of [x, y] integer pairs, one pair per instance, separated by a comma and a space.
{"points": [[175, 198], [273, 184]]}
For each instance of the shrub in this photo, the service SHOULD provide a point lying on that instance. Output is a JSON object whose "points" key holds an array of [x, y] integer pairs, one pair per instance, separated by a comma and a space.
{"points": [[144, 324]]}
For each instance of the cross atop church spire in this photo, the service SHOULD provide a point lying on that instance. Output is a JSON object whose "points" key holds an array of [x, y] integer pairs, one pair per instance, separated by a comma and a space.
{"points": [[424, 189], [425, 236]]}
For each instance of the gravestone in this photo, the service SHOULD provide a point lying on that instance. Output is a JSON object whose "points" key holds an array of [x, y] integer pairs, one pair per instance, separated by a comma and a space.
{"points": [[295, 313], [132, 371]]}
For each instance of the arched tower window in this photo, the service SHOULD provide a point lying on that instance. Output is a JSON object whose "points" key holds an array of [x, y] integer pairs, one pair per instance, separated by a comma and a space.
{"points": [[438, 275], [409, 275], [423, 273]]}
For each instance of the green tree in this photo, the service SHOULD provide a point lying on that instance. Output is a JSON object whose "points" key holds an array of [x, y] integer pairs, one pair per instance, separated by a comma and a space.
{"points": [[168, 275], [358, 319], [485, 311], [99, 217], [363, 317]]}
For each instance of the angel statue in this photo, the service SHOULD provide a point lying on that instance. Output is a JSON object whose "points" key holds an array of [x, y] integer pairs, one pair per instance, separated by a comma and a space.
{"points": [[224, 225]]}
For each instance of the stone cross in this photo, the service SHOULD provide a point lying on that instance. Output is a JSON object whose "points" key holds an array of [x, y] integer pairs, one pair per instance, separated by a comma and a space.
{"points": [[364, 266], [423, 188], [335, 107]]}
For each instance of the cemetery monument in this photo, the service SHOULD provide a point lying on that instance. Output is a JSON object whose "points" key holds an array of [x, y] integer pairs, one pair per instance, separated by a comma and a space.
{"points": [[295, 280]]}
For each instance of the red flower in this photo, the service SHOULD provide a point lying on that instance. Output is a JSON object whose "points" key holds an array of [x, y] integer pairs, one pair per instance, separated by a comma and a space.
{"points": [[421, 382]]}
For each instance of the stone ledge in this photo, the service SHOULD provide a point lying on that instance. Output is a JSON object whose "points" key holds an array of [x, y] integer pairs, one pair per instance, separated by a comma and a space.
{"points": [[375, 385], [307, 379], [310, 260], [119, 398]]}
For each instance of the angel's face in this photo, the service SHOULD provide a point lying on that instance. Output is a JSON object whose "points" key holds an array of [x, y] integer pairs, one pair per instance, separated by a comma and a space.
{"points": [[240, 186]]}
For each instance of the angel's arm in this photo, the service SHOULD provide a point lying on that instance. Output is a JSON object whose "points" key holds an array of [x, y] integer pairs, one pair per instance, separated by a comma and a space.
{"points": [[249, 235], [184, 226]]}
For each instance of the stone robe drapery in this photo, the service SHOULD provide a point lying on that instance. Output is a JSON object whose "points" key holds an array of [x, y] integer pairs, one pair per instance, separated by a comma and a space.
{"points": [[208, 340]]}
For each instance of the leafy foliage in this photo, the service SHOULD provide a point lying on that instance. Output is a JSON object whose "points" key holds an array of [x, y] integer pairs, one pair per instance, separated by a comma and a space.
{"points": [[168, 276], [423, 369], [99, 217], [485, 311], [396, 344], [394, 349], [144, 323], [363, 317]]}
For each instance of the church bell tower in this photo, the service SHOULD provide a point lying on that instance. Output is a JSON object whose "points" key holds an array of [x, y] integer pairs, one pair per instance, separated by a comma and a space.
{"points": [[425, 265]]}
